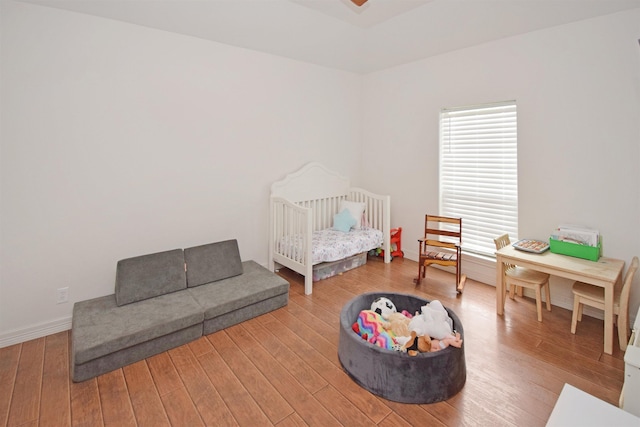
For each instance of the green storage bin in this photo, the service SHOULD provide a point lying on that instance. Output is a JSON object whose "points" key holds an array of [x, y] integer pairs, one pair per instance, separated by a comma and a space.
{"points": [[575, 250]]}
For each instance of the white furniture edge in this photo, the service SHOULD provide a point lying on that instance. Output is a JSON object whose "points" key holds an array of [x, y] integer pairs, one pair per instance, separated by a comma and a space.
{"points": [[575, 407]]}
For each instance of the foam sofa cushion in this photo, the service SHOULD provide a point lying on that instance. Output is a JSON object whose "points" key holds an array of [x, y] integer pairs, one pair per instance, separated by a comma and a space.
{"points": [[101, 327], [256, 284], [212, 262], [148, 276]]}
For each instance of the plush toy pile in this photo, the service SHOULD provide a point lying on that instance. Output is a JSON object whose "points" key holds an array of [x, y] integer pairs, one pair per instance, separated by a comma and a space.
{"points": [[430, 329]]}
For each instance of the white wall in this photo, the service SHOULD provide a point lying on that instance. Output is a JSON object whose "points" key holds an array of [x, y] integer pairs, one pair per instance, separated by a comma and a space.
{"points": [[119, 140], [577, 88]]}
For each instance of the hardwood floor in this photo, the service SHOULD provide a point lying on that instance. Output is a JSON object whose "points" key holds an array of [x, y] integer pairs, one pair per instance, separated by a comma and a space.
{"points": [[282, 368]]}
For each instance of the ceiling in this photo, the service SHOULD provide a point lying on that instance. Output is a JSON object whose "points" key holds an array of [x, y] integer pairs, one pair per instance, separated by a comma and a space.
{"points": [[338, 34]]}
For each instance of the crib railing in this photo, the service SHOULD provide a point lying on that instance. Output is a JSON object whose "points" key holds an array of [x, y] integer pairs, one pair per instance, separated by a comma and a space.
{"points": [[377, 213], [293, 223]]}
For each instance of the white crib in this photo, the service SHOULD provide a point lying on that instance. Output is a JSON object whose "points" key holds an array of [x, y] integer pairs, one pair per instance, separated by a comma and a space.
{"points": [[306, 201]]}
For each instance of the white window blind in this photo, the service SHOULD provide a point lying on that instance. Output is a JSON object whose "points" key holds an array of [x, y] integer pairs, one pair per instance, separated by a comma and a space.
{"points": [[479, 172]]}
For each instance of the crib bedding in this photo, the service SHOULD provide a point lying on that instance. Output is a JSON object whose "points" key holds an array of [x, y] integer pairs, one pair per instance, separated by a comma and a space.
{"points": [[309, 199], [333, 245]]}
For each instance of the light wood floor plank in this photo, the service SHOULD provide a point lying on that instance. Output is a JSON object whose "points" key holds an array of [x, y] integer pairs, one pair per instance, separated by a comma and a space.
{"points": [[415, 415], [180, 409], [115, 400], [164, 373], [146, 402], [55, 408], [394, 420], [368, 403], [25, 404], [9, 358], [282, 368], [304, 328], [292, 420], [210, 405], [445, 413], [304, 404], [86, 410], [200, 346], [244, 409], [341, 408], [263, 392], [296, 365]]}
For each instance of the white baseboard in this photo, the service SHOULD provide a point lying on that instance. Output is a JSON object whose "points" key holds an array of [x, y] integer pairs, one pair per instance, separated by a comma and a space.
{"points": [[37, 331]]}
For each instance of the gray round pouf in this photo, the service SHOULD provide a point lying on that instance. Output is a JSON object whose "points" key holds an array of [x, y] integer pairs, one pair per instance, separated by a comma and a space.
{"points": [[425, 378]]}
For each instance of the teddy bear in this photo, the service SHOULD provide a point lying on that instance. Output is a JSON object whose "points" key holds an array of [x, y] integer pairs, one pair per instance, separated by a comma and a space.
{"points": [[398, 324]]}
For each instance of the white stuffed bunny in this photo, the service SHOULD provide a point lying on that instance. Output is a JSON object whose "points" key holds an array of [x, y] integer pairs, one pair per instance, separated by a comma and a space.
{"points": [[433, 321]]}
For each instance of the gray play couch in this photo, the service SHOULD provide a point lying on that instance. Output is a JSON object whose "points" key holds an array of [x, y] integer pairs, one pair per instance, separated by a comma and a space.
{"points": [[167, 299]]}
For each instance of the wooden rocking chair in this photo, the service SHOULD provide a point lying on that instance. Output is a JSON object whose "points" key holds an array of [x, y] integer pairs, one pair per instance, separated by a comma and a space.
{"points": [[441, 245]]}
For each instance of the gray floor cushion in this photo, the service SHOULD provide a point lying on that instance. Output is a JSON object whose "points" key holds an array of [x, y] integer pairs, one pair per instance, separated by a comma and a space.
{"points": [[139, 321], [248, 312], [212, 262], [425, 378], [135, 353], [255, 292], [101, 328], [148, 276]]}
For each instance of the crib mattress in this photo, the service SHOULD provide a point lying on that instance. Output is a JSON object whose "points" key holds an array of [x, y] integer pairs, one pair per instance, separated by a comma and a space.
{"points": [[333, 245]]}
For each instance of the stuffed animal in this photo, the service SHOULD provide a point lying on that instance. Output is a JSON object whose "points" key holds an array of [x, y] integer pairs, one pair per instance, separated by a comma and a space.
{"points": [[451, 340], [370, 326], [398, 323], [417, 344], [383, 306], [384, 340], [433, 321], [424, 344]]}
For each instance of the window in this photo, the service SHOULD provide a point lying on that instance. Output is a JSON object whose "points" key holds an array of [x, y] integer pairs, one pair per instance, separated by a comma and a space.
{"points": [[479, 172]]}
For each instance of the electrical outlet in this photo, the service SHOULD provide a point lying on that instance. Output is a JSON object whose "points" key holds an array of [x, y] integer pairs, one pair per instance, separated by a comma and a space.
{"points": [[62, 295]]}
